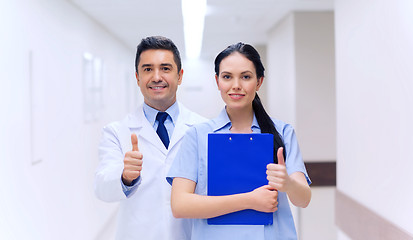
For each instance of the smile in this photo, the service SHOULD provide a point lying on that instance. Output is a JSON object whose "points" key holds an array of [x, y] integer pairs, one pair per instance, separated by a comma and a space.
{"points": [[236, 96], [157, 87]]}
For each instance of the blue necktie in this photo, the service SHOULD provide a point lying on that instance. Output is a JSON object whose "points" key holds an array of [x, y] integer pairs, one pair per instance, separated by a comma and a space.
{"points": [[161, 131]]}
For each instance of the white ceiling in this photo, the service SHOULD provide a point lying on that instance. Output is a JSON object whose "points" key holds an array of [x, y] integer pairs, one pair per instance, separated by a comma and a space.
{"points": [[226, 21]]}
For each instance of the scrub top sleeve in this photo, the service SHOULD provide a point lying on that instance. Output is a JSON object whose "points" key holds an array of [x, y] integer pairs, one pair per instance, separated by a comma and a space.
{"points": [[294, 160], [185, 164]]}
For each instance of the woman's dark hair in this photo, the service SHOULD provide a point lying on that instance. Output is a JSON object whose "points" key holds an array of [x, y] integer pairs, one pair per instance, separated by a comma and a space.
{"points": [[263, 119], [157, 42]]}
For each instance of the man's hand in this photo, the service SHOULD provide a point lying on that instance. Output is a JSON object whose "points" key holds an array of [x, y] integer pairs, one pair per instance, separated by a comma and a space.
{"points": [[132, 163]]}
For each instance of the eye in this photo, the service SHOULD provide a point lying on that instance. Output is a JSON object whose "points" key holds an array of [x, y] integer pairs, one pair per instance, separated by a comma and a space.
{"points": [[165, 69], [147, 69], [246, 77], [226, 76]]}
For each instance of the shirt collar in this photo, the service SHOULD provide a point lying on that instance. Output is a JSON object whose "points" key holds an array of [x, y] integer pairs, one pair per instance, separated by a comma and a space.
{"points": [[150, 113], [255, 123], [223, 122]]}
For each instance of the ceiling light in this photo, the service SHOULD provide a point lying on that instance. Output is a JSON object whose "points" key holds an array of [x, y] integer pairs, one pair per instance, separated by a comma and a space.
{"points": [[193, 12]]}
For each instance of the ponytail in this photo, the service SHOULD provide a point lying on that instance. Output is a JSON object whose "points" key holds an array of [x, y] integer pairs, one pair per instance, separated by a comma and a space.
{"points": [[267, 125]]}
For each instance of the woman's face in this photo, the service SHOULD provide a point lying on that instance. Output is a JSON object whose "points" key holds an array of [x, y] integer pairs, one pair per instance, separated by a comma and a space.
{"points": [[237, 81]]}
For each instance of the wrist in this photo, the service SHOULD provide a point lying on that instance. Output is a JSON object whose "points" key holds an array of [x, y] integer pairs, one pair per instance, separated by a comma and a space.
{"points": [[290, 185], [247, 201], [126, 181]]}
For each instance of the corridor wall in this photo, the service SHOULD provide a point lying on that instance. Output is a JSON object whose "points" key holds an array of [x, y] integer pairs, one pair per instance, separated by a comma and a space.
{"points": [[49, 134], [374, 42], [301, 92]]}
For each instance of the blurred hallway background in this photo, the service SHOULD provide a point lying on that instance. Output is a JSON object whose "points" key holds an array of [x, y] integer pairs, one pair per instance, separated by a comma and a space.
{"points": [[339, 71]]}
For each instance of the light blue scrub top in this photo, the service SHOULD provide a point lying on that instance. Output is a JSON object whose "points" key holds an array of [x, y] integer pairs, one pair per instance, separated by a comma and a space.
{"points": [[191, 163]]}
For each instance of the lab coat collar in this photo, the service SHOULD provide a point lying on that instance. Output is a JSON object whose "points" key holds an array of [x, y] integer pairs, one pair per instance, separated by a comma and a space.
{"points": [[138, 123]]}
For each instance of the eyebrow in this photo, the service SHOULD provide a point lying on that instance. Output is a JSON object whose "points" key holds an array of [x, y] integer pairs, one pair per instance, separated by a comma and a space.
{"points": [[248, 71], [225, 72], [146, 65], [166, 65], [162, 65]]}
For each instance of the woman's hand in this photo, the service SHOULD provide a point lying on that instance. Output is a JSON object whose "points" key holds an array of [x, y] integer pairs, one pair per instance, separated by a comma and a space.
{"points": [[295, 185], [264, 199], [277, 175]]}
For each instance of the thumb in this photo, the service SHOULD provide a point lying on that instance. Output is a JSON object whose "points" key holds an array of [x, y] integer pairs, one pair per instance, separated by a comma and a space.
{"points": [[280, 156], [268, 187], [134, 140]]}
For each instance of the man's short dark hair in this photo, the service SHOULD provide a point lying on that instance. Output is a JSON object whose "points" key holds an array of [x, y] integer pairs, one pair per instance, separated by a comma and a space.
{"points": [[158, 42]]}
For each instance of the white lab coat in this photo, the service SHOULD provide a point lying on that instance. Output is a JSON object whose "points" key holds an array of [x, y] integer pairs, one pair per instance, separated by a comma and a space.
{"points": [[146, 213]]}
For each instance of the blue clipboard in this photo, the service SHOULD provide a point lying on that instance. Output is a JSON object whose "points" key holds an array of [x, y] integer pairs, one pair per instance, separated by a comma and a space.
{"points": [[237, 163]]}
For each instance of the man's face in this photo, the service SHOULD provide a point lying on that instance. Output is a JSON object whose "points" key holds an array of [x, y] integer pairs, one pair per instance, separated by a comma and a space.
{"points": [[158, 78]]}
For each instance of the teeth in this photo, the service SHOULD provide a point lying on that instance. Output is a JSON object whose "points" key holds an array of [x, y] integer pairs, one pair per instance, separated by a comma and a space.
{"points": [[156, 88]]}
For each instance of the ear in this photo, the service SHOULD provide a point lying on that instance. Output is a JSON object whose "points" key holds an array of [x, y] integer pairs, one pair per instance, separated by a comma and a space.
{"points": [[180, 75], [137, 77], [216, 80], [259, 83]]}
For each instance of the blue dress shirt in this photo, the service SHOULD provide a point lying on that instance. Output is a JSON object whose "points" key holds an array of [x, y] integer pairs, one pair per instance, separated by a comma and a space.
{"points": [[191, 163], [150, 115]]}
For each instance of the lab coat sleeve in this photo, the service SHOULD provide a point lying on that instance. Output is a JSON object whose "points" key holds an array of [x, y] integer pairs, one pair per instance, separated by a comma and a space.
{"points": [[108, 185]]}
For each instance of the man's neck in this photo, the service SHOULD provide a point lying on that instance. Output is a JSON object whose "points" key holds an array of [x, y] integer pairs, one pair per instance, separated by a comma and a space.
{"points": [[160, 107]]}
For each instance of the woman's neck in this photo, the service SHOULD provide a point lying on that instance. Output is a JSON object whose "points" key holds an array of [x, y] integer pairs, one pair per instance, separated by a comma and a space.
{"points": [[241, 120]]}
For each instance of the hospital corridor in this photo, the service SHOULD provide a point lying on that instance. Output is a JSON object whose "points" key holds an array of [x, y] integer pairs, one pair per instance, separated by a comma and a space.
{"points": [[339, 72]]}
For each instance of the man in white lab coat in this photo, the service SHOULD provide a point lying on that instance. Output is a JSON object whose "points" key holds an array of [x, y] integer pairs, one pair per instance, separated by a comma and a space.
{"points": [[136, 152]]}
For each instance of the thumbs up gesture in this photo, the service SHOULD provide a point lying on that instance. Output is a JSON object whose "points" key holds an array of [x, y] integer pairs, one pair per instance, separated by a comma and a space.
{"points": [[132, 162], [277, 175]]}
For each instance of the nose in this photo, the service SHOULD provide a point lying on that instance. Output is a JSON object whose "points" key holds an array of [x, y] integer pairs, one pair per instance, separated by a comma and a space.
{"points": [[236, 85], [157, 76]]}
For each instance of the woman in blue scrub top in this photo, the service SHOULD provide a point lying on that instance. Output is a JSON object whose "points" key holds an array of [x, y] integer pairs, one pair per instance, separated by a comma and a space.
{"points": [[239, 75]]}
